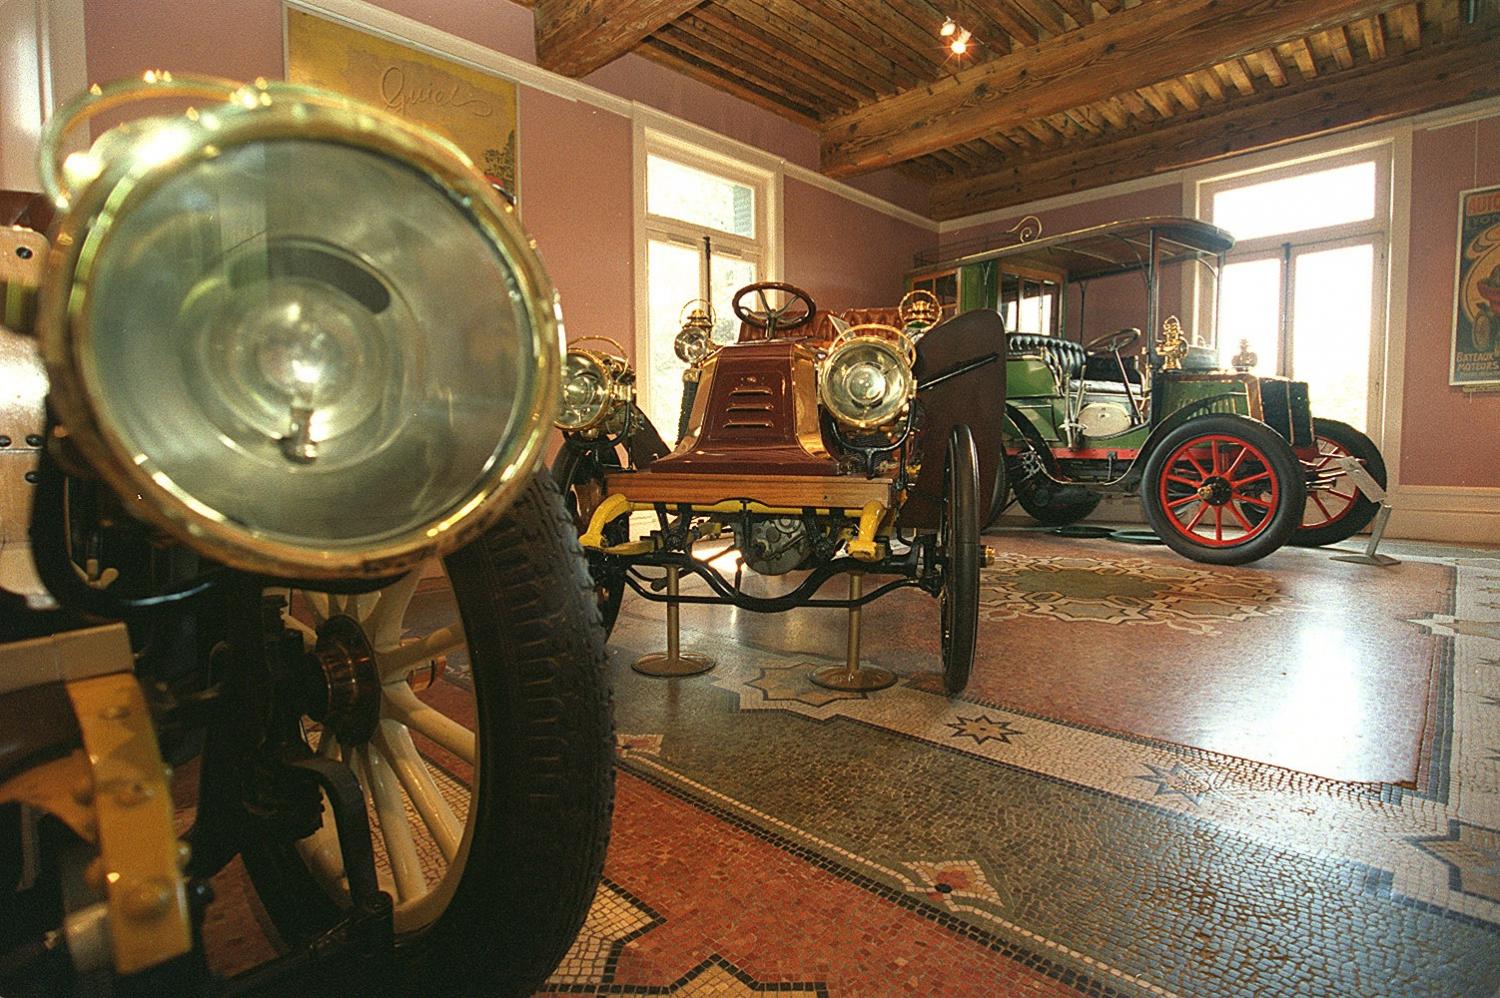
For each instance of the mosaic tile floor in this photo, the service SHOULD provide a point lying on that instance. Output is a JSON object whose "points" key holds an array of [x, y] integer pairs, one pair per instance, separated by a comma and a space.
{"points": [[1163, 780]]}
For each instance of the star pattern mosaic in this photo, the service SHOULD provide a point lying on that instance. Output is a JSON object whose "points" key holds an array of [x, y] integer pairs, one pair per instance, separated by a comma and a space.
{"points": [[1178, 780], [1127, 591], [1472, 854], [983, 728]]}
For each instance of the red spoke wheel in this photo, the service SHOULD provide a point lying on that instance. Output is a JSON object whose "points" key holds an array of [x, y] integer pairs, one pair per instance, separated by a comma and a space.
{"points": [[1223, 489], [1336, 508]]}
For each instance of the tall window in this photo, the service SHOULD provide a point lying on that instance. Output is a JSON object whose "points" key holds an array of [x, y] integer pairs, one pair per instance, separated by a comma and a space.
{"points": [[706, 237], [1305, 283]]}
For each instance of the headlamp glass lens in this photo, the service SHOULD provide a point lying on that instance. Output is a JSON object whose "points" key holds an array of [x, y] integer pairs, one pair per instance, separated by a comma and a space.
{"points": [[311, 341], [585, 392], [866, 383]]}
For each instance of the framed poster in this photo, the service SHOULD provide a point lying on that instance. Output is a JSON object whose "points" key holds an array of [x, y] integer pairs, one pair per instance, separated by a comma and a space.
{"points": [[1476, 306], [471, 108]]}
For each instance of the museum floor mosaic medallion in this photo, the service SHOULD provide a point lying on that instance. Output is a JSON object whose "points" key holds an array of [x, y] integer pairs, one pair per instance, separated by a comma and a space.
{"points": [[1132, 591]]}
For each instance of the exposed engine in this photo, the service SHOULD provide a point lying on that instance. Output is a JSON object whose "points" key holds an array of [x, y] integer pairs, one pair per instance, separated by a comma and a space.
{"points": [[776, 545]]}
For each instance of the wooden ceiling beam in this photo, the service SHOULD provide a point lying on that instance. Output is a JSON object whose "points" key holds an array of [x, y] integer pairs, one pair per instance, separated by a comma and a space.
{"points": [[576, 37], [1373, 36], [875, 26], [1409, 23], [688, 65], [1022, 32], [1303, 57], [1453, 71], [1136, 48], [797, 87], [1338, 43], [804, 31], [762, 46]]}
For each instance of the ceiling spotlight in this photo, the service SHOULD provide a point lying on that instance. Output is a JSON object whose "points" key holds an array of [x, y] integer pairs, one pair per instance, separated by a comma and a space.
{"points": [[948, 29], [960, 45]]}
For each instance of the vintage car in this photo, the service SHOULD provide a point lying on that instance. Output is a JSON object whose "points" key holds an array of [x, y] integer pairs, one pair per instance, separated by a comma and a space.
{"points": [[822, 443], [271, 513], [1229, 466]]}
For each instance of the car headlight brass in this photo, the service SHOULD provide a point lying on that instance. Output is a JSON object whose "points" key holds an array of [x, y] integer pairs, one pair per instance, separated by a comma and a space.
{"points": [[595, 385], [308, 335], [866, 380], [694, 340]]}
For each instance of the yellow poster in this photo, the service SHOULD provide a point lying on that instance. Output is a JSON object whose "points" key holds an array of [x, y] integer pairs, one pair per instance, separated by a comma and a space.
{"points": [[471, 108]]}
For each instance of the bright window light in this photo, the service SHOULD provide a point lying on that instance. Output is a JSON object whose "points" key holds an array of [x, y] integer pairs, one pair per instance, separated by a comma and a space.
{"points": [[1298, 203], [674, 190]]}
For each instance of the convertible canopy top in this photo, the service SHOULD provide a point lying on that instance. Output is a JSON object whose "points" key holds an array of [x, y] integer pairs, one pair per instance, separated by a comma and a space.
{"points": [[1102, 250]]}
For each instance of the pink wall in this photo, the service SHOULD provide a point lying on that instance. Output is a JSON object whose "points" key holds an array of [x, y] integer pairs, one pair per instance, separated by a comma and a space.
{"points": [[1447, 437], [575, 170], [845, 255]]}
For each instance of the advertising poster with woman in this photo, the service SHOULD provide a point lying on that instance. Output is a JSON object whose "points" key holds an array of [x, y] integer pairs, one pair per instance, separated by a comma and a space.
{"points": [[1476, 318]]}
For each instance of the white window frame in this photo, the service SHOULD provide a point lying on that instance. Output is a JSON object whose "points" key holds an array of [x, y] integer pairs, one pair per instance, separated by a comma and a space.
{"points": [[47, 68], [765, 247], [1377, 230]]}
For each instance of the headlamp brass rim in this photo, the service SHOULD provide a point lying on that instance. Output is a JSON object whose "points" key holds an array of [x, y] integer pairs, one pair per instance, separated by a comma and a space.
{"points": [[618, 390], [845, 342], [65, 335]]}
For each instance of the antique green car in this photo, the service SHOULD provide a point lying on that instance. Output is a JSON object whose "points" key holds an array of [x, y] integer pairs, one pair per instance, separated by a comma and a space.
{"points": [[1229, 465]]}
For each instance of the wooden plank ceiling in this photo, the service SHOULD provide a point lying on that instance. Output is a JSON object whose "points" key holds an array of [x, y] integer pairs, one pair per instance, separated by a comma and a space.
{"points": [[1053, 96]]}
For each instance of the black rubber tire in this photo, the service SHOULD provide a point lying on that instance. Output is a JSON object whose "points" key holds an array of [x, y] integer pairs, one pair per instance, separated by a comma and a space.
{"points": [[572, 467], [958, 548], [1282, 464], [1363, 510], [1050, 503], [546, 777], [1054, 505], [1000, 498]]}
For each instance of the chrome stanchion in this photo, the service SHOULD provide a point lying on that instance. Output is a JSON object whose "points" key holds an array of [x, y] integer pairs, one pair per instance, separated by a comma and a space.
{"points": [[851, 676], [672, 662], [1366, 483]]}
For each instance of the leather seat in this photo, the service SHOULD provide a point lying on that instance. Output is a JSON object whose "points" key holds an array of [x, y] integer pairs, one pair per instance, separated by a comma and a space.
{"points": [[1069, 353]]}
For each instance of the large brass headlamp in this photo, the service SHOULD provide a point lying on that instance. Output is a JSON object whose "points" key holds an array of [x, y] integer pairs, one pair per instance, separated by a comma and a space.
{"points": [[866, 379], [694, 340], [306, 335], [595, 386]]}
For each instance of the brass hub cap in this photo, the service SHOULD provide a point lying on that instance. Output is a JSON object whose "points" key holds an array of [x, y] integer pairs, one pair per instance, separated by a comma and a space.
{"points": [[345, 691]]}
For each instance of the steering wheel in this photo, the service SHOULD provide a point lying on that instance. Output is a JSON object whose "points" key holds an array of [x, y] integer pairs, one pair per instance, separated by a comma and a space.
{"points": [[772, 319], [1125, 341]]}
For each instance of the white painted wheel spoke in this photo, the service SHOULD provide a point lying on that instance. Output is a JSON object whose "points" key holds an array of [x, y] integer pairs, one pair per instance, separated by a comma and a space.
{"points": [[361, 606], [401, 704], [384, 623], [321, 851], [396, 664], [309, 636], [318, 602], [395, 830], [395, 743]]}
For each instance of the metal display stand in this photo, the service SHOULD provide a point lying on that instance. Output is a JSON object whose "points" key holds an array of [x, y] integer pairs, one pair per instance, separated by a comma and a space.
{"points": [[672, 662], [851, 677], [1375, 493]]}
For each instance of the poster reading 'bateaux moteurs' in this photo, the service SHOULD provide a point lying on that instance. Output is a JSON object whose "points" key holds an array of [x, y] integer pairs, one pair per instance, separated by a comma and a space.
{"points": [[1476, 320]]}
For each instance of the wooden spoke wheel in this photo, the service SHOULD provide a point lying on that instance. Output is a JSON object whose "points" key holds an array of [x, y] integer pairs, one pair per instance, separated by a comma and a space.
{"points": [[475, 715], [1336, 508], [1223, 489]]}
